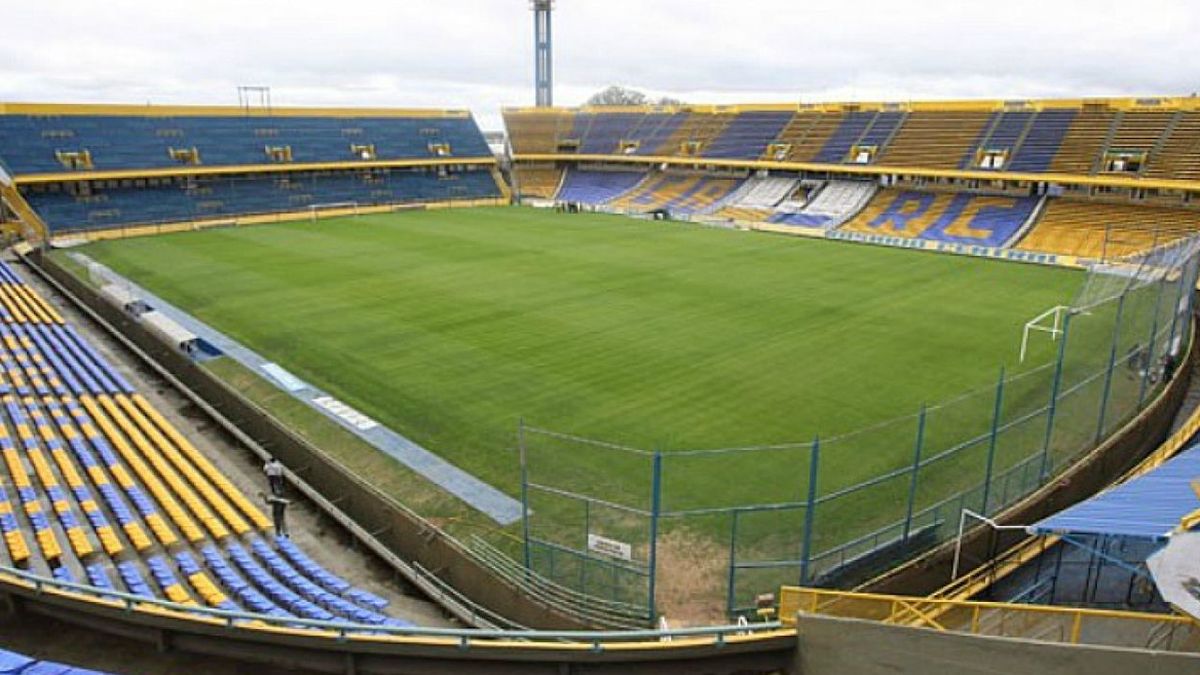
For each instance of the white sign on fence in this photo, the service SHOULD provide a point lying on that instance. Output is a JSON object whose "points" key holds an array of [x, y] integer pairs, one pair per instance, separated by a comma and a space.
{"points": [[609, 547]]}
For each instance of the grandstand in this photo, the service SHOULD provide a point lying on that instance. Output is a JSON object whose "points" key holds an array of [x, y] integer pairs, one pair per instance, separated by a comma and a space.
{"points": [[539, 181], [758, 197], [75, 206], [1106, 230], [1118, 160], [804, 386], [956, 218], [1176, 154], [98, 489], [43, 139], [94, 167], [677, 193], [1052, 136], [934, 139], [834, 202]]}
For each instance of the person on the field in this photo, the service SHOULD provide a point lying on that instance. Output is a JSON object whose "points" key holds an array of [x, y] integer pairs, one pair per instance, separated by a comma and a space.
{"points": [[274, 470], [1168, 366], [1133, 360], [278, 513]]}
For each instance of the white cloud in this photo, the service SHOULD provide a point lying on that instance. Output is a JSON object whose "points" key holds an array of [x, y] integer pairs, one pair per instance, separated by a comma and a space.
{"points": [[478, 53]]}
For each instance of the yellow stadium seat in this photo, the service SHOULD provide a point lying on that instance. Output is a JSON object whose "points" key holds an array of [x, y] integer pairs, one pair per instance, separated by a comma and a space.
{"points": [[79, 542], [49, 544], [1097, 229], [97, 475], [205, 467], [108, 540], [176, 593], [18, 549], [160, 529], [137, 536], [207, 589]]}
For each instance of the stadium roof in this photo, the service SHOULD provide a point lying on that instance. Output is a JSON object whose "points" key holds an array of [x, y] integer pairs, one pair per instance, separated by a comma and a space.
{"points": [[1147, 507]]}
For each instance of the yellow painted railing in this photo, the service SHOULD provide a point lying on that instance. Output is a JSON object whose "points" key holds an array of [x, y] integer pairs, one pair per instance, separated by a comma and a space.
{"points": [[1185, 103], [129, 231], [873, 170], [1071, 625], [125, 174], [33, 222], [147, 110]]}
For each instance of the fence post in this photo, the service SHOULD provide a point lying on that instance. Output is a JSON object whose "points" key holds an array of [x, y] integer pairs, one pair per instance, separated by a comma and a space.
{"points": [[1191, 284], [916, 468], [1183, 283], [991, 456], [1043, 473], [1153, 341], [730, 600], [1112, 362], [655, 506], [587, 530], [813, 464], [524, 492]]}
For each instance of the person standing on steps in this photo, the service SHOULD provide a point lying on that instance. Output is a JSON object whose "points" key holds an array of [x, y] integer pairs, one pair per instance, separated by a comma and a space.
{"points": [[274, 470], [278, 512]]}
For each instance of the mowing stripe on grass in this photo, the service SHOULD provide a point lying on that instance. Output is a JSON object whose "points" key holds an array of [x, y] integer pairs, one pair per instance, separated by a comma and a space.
{"points": [[475, 492]]}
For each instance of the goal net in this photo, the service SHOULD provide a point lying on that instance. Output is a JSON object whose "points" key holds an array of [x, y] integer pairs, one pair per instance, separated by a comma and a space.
{"points": [[331, 209]]}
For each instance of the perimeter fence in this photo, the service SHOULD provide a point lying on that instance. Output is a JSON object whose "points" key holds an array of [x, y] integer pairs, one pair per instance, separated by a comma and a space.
{"points": [[705, 531]]}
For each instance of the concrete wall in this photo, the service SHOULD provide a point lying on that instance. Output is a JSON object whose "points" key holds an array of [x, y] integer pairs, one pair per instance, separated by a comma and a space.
{"points": [[836, 646]]}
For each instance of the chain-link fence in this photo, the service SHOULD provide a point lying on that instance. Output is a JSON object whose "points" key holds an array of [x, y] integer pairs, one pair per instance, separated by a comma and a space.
{"points": [[701, 533]]}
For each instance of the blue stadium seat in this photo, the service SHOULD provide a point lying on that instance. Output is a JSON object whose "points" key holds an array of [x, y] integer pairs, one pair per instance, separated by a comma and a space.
{"points": [[597, 187], [28, 143], [217, 198], [748, 135], [12, 663]]}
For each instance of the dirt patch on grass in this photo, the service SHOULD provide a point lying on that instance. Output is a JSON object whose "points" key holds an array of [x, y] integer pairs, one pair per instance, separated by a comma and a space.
{"points": [[692, 577]]}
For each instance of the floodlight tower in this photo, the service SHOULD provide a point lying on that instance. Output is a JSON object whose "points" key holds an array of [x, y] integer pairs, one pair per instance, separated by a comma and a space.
{"points": [[543, 50]]}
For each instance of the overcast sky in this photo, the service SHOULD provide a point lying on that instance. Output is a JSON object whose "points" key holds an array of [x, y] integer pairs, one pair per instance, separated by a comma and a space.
{"points": [[478, 54]]}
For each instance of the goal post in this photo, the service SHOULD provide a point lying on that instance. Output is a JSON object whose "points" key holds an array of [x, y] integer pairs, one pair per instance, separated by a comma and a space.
{"points": [[330, 209], [1049, 321]]}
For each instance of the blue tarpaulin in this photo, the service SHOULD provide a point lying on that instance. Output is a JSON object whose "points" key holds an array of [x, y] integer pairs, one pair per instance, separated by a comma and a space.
{"points": [[1147, 507]]}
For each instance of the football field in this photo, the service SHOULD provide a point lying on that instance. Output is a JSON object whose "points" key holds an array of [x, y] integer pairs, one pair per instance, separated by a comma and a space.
{"points": [[451, 325]]}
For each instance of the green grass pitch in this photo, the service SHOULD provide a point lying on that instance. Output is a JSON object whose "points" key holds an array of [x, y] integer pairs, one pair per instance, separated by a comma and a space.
{"points": [[450, 325]]}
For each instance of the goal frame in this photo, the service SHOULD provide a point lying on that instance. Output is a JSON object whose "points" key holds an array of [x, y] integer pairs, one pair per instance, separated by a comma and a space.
{"points": [[314, 210], [1039, 323]]}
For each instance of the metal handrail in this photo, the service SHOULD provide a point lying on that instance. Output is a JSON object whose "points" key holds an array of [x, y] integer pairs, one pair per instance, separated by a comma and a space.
{"points": [[556, 595]]}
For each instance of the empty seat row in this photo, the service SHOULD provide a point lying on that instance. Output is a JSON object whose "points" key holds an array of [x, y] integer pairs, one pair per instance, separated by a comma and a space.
{"points": [[32, 143], [215, 198], [1046, 137], [1096, 229], [597, 187]]}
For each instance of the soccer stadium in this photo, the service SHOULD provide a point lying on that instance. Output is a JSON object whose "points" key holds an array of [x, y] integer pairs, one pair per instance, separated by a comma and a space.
{"points": [[631, 385]]}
